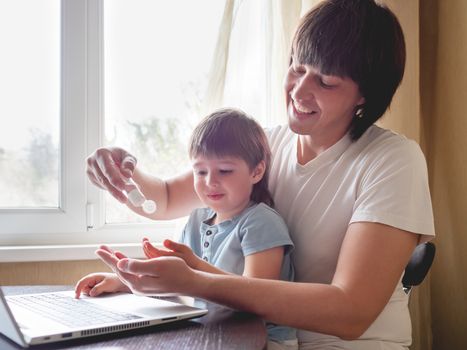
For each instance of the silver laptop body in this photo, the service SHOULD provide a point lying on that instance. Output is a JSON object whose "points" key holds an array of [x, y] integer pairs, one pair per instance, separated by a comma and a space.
{"points": [[30, 319]]}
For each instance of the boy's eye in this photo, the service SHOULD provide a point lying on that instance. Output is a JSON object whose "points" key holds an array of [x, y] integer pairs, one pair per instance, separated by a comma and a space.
{"points": [[225, 171], [201, 172]]}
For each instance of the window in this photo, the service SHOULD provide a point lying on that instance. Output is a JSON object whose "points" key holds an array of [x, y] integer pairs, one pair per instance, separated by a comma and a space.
{"points": [[43, 109], [79, 74], [156, 62], [30, 70]]}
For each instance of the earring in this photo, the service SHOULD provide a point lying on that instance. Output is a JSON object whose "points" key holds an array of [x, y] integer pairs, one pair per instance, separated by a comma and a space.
{"points": [[359, 112]]}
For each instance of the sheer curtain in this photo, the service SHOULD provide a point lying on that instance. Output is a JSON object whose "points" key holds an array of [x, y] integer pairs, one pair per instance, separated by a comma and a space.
{"points": [[251, 58]]}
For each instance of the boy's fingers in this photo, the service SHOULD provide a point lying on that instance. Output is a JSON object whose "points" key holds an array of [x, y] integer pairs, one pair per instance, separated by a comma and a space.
{"points": [[150, 254], [178, 247], [97, 289], [83, 286], [153, 252]]}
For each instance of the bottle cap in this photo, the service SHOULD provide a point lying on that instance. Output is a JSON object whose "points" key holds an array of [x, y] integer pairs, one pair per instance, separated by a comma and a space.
{"points": [[149, 207]]}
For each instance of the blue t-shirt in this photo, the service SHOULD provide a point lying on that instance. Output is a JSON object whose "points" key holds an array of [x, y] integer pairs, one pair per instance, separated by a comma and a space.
{"points": [[225, 245]]}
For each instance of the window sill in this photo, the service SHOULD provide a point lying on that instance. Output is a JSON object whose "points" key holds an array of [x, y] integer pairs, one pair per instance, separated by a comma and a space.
{"points": [[82, 245], [34, 253]]}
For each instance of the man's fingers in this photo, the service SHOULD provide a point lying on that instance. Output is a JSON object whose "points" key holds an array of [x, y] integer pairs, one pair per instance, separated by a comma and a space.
{"points": [[117, 166], [132, 281], [94, 179], [138, 267], [108, 258], [140, 284], [110, 168], [128, 166], [106, 248], [120, 255], [112, 178], [95, 171]]}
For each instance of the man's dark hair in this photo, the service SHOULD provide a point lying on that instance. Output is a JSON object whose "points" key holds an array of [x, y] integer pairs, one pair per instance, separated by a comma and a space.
{"points": [[359, 39]]}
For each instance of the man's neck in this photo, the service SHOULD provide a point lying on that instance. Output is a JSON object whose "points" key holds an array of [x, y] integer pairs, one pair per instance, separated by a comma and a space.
{"points": [[309, 147]]}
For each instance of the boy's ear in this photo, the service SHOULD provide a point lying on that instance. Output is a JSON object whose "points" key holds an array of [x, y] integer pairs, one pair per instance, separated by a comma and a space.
{"points": [[258, 172]]}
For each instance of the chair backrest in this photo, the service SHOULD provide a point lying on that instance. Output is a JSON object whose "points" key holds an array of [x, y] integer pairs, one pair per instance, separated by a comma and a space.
{"points": [[418, 266]]}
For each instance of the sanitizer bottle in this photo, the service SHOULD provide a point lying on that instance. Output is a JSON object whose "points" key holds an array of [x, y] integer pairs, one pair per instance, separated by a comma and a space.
{"points": [[138, 199]]}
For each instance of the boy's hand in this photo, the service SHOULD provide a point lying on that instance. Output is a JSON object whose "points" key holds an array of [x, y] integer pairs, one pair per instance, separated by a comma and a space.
{"points": [[95, 284], [174, 249]]}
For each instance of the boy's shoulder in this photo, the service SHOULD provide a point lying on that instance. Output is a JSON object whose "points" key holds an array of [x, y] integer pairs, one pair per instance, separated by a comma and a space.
{"points": [[262, 211]]}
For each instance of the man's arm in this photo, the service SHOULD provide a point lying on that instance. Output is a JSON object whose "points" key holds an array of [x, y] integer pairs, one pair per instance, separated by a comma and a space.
{"points": [[109, 168], [174, 197], [372, 259], [371, 262]]}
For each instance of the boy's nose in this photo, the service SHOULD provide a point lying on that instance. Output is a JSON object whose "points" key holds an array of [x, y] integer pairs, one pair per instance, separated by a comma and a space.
{"points": [[211, 180]]}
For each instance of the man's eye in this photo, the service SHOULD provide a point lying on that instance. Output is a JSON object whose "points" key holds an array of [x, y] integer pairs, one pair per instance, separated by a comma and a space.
{"points": [[325, 84]]}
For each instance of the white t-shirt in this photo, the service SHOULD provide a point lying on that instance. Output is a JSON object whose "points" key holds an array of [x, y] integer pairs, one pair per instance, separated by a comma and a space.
{"points": [[381, 177]]}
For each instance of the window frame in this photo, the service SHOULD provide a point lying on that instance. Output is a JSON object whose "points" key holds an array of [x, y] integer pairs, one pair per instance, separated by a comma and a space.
{"points": [[17, 224], [80, 218]]}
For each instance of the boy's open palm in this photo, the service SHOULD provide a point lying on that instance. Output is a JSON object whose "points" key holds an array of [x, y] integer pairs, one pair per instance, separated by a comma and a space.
{"points": [[173, 249]]}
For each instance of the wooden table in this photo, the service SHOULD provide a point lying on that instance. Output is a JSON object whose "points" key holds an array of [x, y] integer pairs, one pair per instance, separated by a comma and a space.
{"points": [[219, 329]]}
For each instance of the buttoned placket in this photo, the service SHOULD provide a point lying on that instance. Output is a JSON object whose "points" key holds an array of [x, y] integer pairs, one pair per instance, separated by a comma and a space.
{"points": [[207, 242]]}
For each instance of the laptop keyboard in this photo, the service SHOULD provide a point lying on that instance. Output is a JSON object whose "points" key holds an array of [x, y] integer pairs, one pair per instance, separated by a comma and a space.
{"points": [[69, 311]]}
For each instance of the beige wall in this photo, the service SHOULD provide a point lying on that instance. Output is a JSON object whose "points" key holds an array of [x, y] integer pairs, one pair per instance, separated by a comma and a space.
{"points": [[56, 272], [403, 115], [444, 105], [442, 133]]}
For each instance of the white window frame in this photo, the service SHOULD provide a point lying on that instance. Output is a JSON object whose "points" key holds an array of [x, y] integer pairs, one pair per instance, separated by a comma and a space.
{"points": [[70, 214], [77, 227]]}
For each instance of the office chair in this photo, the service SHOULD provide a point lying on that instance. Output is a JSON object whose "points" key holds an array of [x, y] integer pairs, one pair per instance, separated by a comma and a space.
{"points": [[418, 266]]}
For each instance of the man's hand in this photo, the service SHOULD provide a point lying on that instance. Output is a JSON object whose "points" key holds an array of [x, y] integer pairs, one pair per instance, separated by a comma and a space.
{"points": [[109, 168], [153, 276]]}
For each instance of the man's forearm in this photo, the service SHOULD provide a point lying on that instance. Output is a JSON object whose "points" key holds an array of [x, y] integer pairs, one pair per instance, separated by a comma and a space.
{"points": [[174, 197], [317, 307]]}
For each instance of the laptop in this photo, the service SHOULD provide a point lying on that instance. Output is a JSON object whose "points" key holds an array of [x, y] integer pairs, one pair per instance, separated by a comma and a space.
{"points": [[39, 318]]}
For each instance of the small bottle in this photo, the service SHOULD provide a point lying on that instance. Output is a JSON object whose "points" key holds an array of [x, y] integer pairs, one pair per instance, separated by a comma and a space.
{"points": [[138, 199]]}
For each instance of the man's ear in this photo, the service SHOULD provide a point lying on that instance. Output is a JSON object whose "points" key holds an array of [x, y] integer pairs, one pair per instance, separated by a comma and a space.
{"points": [[258, 172]]}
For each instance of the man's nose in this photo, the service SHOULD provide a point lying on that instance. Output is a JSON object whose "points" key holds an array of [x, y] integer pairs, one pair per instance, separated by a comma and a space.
{"points": [[303, 89]]}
